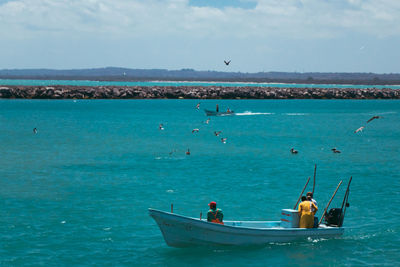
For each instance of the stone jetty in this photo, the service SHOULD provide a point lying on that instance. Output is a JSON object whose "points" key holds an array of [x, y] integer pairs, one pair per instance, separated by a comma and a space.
{"points": [[191, 92]]}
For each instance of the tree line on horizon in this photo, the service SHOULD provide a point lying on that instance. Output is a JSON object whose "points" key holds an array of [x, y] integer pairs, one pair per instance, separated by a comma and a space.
{"points": [[126, 74]]}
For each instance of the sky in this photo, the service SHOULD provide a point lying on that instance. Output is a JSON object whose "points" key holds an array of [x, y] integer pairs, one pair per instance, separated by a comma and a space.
{"points": [[256, 35]]}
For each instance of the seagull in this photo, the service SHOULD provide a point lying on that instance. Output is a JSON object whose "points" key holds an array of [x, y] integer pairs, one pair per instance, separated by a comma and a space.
{"points": [[293, 151], [198, 106], [227, 62], [161, 127], [223, 140], [373, 118], [34, 130], [334, 150], [196, 130], [208, 120], [359, 129], [217, 133]]}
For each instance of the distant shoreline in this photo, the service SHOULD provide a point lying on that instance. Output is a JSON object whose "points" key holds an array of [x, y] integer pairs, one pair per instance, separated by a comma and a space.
{"points": [[142, 75], [191, 92], [88, 82], [339, 81]]}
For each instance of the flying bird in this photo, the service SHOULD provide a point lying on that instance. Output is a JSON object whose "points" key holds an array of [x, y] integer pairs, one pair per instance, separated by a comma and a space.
{"points": [[217, 133], [195, 130], [223, 140], [227, 62], [373, 118], [359, 129]]}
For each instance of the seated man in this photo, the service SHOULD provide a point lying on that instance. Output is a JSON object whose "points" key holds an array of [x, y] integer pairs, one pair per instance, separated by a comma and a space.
{"points": [[214, 215]]}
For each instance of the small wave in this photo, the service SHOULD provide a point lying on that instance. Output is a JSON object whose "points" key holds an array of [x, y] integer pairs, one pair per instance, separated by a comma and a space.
{"points": [[316, 240], [386, 113], [296, 114], [249, 113]]}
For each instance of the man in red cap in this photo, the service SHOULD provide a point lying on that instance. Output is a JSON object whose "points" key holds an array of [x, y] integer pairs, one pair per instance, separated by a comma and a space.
{"points": [[214, 215]]}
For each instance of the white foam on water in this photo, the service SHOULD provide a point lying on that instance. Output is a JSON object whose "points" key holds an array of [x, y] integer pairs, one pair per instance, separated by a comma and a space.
{"points": [[296, 114], [385, 113], [249, 113]]}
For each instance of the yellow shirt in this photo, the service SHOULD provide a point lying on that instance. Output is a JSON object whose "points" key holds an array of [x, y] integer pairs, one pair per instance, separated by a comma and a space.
{"points": [[306, 214]]}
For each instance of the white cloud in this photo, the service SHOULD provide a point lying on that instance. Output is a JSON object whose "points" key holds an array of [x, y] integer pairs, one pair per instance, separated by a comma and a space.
{"points": [[275, 34], [135, 18]]}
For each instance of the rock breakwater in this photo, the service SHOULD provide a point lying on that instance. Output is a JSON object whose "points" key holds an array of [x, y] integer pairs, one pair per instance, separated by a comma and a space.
{"points": [[191, 92]]}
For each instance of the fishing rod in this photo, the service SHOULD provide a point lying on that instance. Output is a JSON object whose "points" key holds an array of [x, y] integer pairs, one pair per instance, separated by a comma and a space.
{"points": [[327, 206], [302, 193], [345, 204]]}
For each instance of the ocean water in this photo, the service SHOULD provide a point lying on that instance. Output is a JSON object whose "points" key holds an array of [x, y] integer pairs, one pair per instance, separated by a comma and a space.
{"points": [[184, 83], [77, 191]]}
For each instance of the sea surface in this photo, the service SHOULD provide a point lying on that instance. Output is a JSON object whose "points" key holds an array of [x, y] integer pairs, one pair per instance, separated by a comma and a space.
{"points": [[184, 83], [76, 193]]}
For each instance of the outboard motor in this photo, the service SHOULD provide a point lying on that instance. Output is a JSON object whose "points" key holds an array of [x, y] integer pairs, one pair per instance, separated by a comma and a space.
{"points": [[334, 217]]}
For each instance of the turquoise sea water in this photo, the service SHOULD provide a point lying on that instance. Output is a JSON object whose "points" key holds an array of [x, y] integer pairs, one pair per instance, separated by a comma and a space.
{"points": [[77, 192], [186, 83]]}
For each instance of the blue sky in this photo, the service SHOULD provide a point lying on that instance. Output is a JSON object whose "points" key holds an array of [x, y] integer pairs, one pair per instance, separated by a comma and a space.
{"points": [[257, 35]]}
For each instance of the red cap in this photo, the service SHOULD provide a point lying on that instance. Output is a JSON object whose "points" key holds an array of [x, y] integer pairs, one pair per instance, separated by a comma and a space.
{"points": [[212, 204]]}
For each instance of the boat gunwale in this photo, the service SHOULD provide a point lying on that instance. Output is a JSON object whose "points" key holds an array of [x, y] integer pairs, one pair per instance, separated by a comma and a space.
{"points": [[243, 228]]}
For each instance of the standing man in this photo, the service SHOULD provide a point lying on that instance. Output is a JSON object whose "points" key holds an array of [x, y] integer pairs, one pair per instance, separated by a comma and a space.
{"points": [[312, 200], [310, 195], [306, 215], [214, 215]]}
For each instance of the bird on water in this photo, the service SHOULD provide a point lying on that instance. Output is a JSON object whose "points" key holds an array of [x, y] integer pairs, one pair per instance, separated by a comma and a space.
{"points": [[373, 118], [359, 129]]}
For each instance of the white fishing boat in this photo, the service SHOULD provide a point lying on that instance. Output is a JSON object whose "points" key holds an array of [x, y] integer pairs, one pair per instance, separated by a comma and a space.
{"points": [[182, 231]]}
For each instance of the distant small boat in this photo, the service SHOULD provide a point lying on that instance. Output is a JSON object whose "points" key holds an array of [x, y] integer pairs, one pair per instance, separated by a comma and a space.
{"points": [[215, 113], [182, 231]]}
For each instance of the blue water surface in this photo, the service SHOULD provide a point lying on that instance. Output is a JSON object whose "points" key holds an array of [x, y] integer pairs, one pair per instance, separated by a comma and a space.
{"points": [[185, 83], [77, 191]]}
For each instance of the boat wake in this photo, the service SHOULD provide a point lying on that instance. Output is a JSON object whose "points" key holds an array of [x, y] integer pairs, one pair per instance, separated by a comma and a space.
{"points": [[385, 113], [249, 113], [296, 114]]}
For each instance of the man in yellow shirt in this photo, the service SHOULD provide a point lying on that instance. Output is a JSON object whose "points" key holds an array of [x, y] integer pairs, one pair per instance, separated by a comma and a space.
{"points": [[307, 210]]}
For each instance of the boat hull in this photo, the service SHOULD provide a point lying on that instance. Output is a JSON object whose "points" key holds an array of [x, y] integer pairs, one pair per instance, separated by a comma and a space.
{"points": [[214, 113], [181, 231]]}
